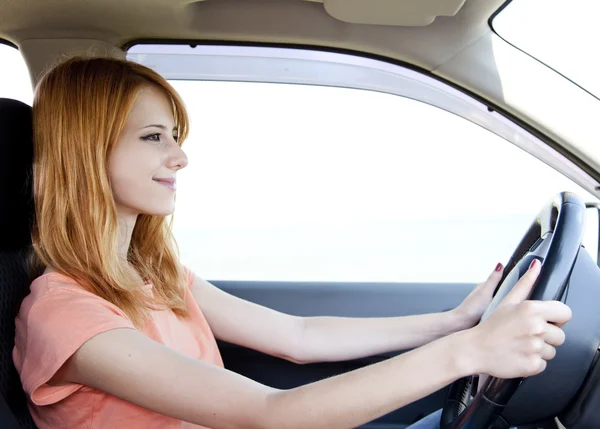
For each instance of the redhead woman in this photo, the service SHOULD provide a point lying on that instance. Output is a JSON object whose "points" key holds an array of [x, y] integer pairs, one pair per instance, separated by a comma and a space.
{"points": [[116, 333]]}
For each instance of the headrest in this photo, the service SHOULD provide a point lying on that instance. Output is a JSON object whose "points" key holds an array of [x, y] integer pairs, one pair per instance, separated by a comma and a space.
{"points": [[16, 162]]}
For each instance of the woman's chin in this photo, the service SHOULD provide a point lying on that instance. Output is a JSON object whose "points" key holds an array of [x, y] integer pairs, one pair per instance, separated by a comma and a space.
{"points": [[166, 210], [162, 213]]}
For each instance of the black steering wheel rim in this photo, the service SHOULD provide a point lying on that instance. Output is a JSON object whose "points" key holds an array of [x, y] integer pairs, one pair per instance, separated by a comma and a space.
{"points": [[554, 238]]}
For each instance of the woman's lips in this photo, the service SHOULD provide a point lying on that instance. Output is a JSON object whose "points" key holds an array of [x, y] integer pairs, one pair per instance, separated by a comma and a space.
{"points": [[169, 183]]}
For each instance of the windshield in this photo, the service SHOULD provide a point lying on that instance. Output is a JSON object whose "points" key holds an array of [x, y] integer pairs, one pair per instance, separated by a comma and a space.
{"points": [[563, 34]]}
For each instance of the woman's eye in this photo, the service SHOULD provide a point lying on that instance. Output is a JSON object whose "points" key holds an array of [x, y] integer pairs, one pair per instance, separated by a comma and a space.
{"points": [[152, 137]]}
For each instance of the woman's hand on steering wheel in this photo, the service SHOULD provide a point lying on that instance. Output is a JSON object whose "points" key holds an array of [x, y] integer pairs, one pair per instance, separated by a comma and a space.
{"points": [[520, 335], [475, 304]]}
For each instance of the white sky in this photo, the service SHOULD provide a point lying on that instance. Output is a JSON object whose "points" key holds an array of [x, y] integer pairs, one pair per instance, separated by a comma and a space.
{"points": [[289, 182], [14, 78], [561, 33]]}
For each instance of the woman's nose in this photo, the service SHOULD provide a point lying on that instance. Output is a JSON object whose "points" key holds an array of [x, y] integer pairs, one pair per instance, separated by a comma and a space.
{"points": [[177, 158]]}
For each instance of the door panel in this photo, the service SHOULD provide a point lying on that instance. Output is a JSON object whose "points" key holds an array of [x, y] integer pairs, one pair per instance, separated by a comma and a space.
{"points": [[338, 299]]}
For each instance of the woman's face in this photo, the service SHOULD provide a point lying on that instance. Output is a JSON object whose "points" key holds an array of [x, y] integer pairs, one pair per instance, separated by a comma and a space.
{"points": [[146, 158]]}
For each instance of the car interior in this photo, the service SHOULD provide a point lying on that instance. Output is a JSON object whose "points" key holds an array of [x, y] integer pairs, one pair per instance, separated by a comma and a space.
{"points": [[450, 60]]}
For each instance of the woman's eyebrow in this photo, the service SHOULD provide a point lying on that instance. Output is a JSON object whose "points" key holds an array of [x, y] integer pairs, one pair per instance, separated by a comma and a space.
{"points": [[162, 127]]}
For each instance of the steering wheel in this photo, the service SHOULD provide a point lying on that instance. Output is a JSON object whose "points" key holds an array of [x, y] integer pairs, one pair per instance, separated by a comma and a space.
{"points": [[554, 238]]}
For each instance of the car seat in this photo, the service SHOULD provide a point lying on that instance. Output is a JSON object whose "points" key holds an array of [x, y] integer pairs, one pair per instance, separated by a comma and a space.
{"points": [[16, 214]]}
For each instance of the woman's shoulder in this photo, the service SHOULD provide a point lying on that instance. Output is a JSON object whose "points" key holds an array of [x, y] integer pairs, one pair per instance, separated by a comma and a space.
{"points": [[50, 284], [52, 279]]}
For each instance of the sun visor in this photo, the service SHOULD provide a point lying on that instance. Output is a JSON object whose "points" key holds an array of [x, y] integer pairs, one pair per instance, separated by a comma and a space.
{"points": [[409, 13]]}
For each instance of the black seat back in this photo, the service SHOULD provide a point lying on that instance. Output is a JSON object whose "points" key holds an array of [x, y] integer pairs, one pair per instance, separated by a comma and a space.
{"points": [[16, 213]]}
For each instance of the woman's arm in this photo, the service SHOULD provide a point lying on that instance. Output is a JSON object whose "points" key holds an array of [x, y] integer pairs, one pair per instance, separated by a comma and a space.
{"points": [[126, 364], [320, 339], [515, 341], [250, 325], [334, 338], [331, 339]]}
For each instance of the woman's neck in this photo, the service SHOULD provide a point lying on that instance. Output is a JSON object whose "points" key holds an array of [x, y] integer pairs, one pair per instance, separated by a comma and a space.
{"points": [[126, 226]]}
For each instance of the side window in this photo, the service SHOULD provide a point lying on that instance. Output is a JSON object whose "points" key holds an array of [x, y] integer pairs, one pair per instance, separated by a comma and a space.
{"points": [[313, 183], [14, 77]]}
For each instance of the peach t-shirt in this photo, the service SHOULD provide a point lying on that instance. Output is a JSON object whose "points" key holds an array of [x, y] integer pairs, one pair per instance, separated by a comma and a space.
{"points": [[57, 317]]}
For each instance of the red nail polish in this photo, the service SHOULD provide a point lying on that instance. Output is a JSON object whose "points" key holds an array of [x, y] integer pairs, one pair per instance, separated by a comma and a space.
{"points": [[533, 263], [498, 267]]}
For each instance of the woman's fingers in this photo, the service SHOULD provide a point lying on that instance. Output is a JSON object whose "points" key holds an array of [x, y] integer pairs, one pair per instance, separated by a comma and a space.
{"points": [[555, 312], [548, 352], [521, 291], [553, 335]]}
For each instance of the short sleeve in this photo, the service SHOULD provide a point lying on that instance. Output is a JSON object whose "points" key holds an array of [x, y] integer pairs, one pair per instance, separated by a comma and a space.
{"points": [[54, 328], [189, 276]]}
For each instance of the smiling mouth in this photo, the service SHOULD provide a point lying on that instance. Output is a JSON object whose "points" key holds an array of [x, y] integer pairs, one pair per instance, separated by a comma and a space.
{"points": [[169, 183]]}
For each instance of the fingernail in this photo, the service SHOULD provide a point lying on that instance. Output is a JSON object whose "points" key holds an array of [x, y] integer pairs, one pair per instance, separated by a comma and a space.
{"points": [[498, 267], [533, 263]]}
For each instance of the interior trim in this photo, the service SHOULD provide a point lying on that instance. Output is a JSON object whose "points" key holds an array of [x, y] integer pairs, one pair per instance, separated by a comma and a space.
{"points": [[8, 43]]}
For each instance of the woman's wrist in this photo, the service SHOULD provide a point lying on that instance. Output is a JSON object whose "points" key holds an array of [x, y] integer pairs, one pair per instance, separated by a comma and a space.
{"points": [[463, 353], [457, 320]]}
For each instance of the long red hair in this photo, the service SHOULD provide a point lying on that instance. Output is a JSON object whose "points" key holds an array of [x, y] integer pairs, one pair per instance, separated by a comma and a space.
{"points": [[79, 110]]}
